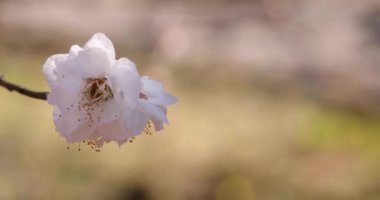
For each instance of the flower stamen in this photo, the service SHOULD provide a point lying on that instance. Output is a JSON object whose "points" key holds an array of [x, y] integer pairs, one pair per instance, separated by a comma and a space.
{"points": [[96, 91], [147, 128], [143, 96]]}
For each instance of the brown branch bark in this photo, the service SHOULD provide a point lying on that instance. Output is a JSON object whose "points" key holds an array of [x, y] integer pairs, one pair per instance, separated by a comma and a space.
{"points": [[13, 87]]}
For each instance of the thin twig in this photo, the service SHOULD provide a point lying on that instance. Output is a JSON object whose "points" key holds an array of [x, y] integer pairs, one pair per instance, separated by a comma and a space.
{"points": [[13, 87]]}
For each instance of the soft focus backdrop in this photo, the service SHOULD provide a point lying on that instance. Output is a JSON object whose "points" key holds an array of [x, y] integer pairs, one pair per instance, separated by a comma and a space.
{"points": [[278, 100]]}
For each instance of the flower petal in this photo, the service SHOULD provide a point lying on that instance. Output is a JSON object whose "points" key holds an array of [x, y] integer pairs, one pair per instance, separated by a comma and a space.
{"points": [[155, 111], [89, 63], [158, 125], [163, 99], [81, 133], [66, 123], [155, 92], [110, 112], [74, 50], [135, 121], [124, 81], [111, 131], [66, 94], [49, 68], [99, 40], [69, 127]]}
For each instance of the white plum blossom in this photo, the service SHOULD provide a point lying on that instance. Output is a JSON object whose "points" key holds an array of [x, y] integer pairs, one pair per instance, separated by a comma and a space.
{"points": [[100, 99]]}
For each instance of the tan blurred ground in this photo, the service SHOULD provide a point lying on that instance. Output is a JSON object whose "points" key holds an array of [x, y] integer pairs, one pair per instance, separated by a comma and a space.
{"points": [[278, 99]]}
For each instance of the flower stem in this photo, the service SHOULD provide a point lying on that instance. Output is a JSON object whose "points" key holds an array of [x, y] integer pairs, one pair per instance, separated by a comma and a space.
{"points": [[13, 87]]}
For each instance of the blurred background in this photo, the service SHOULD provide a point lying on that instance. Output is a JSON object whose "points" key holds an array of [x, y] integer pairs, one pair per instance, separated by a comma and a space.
{"points": [[278, 100]]}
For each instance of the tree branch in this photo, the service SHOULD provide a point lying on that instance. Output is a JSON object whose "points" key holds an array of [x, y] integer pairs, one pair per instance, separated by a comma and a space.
{"points": [[12, 87]]}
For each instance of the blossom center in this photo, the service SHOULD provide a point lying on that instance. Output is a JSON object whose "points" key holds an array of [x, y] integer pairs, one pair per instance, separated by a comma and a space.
{"points": [[96, 91], [143, 96]]}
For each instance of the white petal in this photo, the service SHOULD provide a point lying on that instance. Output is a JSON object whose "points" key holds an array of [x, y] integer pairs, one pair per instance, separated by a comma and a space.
{"points": [[49, 68], [99, 40], [122, 142], [124, 81], [71, 84], [151, 85], [74, 50], [89, 63], [155, 92], [65, 95], [69, 127], [155, 111], [83, 132], [135, 121], [65, 123], [66, 92], [163, 99], [110, 112], [158, 125], [111, 131]]}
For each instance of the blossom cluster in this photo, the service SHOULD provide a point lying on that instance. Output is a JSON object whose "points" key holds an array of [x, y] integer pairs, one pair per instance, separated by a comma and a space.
{"points": [[98, 98]]}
